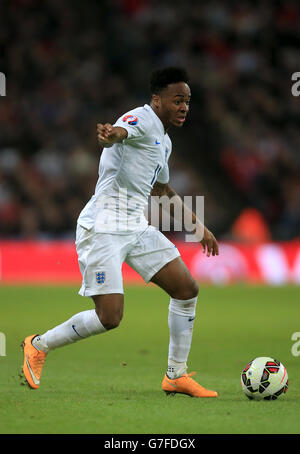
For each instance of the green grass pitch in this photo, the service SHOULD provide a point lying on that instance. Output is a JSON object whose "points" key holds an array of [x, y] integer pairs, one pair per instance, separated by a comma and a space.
{"points": [[110, 384]]}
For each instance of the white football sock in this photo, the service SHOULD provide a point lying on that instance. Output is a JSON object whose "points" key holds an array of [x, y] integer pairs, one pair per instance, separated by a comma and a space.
{"points": [[181, 322], [80, 326]]}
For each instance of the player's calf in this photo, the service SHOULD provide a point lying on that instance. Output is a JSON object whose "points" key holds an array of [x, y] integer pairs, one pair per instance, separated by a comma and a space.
{"points": [[181, 321]]}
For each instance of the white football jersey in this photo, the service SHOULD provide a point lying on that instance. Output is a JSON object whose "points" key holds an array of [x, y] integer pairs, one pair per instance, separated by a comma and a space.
{"points": [[127, 173]]}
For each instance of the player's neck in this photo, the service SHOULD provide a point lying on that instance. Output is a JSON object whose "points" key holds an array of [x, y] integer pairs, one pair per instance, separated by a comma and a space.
{"points": [[165, 124]]}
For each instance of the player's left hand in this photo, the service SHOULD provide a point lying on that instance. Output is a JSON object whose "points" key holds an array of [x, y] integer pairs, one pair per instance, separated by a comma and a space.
{"points": [[209, 243]]}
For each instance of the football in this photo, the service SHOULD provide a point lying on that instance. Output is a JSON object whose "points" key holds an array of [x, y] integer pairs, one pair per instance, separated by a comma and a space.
{"points": [[264, 378]]}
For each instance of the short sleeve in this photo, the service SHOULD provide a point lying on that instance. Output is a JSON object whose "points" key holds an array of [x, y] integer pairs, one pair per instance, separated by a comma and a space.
{"points": [[135, 124], [163, 176]]}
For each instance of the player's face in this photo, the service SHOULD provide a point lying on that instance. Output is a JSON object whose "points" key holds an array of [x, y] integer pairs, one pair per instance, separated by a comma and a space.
{"points": [[173, 104]]}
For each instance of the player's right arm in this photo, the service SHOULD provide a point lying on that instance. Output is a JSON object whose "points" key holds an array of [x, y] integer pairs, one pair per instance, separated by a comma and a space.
{"points": [[108, 135]]}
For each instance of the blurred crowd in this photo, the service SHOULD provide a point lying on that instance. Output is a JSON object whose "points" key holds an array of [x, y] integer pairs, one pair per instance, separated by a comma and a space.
{"points": [[71, 64]]}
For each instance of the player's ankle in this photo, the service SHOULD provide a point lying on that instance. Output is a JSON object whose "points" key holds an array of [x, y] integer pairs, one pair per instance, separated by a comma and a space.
{"points": [[175, 369], [39, 344]]}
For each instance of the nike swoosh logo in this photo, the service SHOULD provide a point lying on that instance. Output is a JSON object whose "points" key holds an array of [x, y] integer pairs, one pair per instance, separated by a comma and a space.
{"points": [[172, 384], [73, 326], [157, 142], [191, 319], [34, 379]]}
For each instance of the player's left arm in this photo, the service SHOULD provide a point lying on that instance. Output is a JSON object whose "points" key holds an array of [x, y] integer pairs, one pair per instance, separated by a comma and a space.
{"points": [[205, 236]]}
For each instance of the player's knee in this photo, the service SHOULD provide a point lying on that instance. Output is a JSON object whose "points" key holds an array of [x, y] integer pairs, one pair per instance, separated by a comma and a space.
{"points": [[111, 320], [187, 291], [111, 324], [109, 309], [195, 289], [191, 291]]}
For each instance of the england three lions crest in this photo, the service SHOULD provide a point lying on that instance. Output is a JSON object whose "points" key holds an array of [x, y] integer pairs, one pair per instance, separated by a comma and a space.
{"points": [[100, 277]]}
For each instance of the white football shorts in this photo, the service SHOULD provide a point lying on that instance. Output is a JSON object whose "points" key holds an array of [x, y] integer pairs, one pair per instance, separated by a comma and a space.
{"points": [[101, 255]]}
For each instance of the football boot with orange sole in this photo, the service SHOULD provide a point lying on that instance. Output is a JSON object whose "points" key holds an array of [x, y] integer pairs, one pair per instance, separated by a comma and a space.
{"points": [[33, 363], [186, 385]]}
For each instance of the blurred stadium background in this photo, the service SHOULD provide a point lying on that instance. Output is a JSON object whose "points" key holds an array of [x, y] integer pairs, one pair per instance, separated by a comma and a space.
{"points": [[71, 64]]}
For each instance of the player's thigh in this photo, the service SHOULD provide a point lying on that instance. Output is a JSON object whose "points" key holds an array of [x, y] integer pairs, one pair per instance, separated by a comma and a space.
{"points": [[151, 251], [109, 309], [176, 279], [158, 260]]}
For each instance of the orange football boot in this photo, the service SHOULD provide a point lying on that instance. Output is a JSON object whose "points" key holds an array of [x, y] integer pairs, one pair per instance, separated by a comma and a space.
{"points": [[186, 385], [33, 362]]}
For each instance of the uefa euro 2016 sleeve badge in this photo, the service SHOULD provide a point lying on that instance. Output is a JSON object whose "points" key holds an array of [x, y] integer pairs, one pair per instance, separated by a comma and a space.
{"points": [[100, 277], [131, 120]]}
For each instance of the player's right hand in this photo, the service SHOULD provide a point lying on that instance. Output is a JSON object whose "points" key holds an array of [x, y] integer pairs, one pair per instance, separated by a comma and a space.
{"points": [[106, 134]]}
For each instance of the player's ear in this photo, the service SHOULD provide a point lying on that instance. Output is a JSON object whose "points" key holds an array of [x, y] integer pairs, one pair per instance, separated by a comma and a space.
{"points": [[156, 100]]}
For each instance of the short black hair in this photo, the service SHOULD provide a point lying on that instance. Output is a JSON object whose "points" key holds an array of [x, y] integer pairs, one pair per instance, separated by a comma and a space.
{"points": [[161, 78]]}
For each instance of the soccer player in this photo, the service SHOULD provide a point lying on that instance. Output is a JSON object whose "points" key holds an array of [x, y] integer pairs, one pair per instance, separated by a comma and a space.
{"points": [[112, 229]]}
